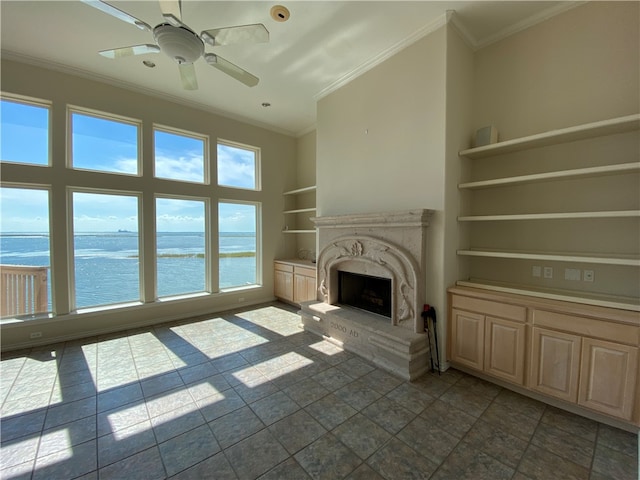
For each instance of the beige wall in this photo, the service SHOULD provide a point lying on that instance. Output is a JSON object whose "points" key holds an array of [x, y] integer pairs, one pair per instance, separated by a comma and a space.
{"points": [[459, 95], [389, 139], [578, 67], [278, 174], [381, 146]]}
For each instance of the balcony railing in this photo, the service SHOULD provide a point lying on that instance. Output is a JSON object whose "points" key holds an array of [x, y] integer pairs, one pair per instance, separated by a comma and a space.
{"points": [[23, 290]]}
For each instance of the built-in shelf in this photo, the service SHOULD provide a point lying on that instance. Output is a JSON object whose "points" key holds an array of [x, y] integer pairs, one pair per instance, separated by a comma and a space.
{"points": [[300, 190], [294, 211], [553, 137], [483, 176], [557, 175], [587, 298], [550, 216], [300, 210], [606, 259]]}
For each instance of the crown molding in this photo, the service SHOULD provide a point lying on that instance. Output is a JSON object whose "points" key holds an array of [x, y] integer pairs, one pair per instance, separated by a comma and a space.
{"points": [[526, 23], [382, 56], [77, 72]]}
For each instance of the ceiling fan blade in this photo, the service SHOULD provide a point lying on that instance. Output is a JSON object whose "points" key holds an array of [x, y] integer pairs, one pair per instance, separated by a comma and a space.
{"points": [[188, 76], [231, 69], [119, 14], [128, 51], [172, 12], [256, 33]]}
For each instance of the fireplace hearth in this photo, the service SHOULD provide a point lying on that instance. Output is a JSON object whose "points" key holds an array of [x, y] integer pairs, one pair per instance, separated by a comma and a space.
{"points": [[371, 288]]}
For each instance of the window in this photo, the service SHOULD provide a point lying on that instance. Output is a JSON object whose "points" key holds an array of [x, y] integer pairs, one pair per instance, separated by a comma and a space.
{"points": [[106, 251], [95, 242], [104, 144], [238, 166], [24, 132], [238, 244], [179, 156], [181, 253], [24, 251]]}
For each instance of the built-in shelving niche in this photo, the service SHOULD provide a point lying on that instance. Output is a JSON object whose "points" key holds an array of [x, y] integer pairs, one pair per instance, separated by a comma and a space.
{"points": [[568, 199], [303, 207]]}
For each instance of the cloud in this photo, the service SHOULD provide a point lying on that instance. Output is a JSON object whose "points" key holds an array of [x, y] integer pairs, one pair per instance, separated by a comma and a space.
{"points": [[189, 167], [236, 167]]}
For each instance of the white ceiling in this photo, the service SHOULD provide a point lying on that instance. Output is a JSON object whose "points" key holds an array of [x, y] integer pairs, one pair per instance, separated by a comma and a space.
{"points": [[322, 46]]}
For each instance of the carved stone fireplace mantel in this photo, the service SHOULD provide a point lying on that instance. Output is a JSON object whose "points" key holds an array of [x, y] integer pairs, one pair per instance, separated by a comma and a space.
{"points": [[384, 245]]}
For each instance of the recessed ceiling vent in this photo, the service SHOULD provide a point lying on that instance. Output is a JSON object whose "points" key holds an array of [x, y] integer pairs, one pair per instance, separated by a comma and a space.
{"points": [[279, 13]]}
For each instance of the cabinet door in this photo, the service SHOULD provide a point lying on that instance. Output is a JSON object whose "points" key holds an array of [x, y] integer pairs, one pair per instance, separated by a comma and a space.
{"points": [[304, 288], [310, 289], [467, 330], [283, 287], [608, 377], [555, 358], [504, 349]]}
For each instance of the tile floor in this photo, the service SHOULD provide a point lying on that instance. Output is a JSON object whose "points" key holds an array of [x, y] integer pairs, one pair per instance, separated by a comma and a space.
{"points": [[249, 395]]}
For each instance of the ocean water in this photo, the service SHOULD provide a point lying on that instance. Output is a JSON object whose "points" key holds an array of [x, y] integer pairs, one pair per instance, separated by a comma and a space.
{"points": [[107, 264]]}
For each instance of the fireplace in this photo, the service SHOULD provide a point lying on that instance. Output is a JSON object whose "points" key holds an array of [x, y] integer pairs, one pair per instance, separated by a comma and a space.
{"points": [[365, 292], [377, 264]]}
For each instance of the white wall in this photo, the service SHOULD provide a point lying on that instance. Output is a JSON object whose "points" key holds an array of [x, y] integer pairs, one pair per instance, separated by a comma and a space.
{"points": [[278, 173]]}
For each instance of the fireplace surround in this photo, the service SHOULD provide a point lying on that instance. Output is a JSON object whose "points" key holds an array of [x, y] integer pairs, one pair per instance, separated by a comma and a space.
{"points": [[389, 246]]}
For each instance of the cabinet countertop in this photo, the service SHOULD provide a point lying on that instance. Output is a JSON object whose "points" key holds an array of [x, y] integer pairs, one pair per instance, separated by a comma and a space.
{"points": [[559, 306], [296, 262]]}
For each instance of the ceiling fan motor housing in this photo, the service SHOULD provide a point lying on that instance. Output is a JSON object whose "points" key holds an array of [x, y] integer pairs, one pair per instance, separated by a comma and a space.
{"points": [[179, 43]]}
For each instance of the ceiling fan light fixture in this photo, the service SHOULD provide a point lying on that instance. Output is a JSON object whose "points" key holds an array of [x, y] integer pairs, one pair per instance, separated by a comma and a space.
{"points": [[279, 13], [179, 43]]}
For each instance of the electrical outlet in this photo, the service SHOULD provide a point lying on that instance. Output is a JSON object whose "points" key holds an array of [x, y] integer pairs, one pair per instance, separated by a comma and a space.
{"points": [[588, 276], [572, 274], [548, 272], [536, 271], [35, 335]]}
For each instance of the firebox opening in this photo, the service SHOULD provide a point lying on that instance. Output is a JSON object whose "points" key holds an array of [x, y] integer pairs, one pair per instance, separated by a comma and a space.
{"points": [[372, 294]]}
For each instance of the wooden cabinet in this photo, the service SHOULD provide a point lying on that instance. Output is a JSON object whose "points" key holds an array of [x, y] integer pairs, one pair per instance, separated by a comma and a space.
{"points": [[504, 349], [586, 356], [294, 281], [304, 288], [555, 361], [608, 377], [488, 336], [467, 330], [283, 281]]}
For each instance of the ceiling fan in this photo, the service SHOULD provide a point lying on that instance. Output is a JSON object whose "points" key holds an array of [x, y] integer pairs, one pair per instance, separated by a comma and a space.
{"points": [[183, 45]]}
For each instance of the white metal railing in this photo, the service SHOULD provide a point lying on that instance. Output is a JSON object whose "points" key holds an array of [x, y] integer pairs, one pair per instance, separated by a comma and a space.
{"points": [[23, 290]]}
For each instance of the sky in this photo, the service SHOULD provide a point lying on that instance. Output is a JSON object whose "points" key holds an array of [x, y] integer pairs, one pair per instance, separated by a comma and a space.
{"points": [[106, 145]]}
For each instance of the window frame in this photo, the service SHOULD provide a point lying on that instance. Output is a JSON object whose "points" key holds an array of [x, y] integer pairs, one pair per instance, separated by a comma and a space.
{"points": [[71, 262], [34, 102], [206, 172], [257, 151], [88, 112], [208, 260], [258, 227], [50, 283]]}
